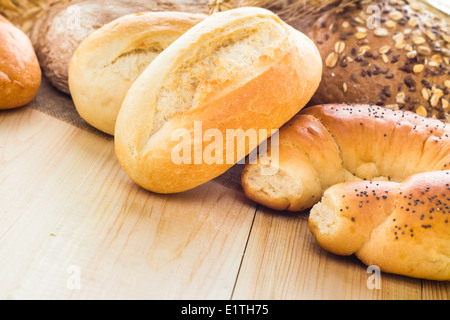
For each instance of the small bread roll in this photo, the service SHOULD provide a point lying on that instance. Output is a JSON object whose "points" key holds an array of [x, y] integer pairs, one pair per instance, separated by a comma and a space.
{"points": [[107, 63], [239, 69], [20, 74]]}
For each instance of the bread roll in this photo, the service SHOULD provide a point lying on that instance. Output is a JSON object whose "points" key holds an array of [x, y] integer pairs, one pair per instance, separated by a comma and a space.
{"points": [[240, 69], [329, 144], [402, 63], [58, 32], [107, 63], [402, 228], [20, 74]]}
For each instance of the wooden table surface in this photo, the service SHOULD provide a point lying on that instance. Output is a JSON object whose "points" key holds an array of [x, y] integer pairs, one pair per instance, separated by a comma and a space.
{"points": [[73, 226]]}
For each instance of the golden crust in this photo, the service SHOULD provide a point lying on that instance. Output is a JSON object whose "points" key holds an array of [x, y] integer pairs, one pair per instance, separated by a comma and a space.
{"points": [[381, 142], [20, 74], [227, 95]]}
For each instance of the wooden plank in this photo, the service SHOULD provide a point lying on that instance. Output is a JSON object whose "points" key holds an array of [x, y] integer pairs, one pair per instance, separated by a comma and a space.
{"points": [[72, 225], [283, 261], [435, 290]]}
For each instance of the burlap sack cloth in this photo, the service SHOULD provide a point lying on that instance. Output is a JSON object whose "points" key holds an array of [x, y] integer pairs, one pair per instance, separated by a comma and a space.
{"points": [[61, 106]]}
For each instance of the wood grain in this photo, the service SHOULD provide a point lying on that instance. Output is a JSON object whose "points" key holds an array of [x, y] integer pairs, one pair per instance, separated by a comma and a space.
{"points": [[283, 261], [69, 210]]}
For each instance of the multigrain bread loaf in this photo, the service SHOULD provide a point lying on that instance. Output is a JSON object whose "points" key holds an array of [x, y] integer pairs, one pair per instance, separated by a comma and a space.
{"points": [[328, 144], [108, 62], [242, 69], [60, 29], [400, 60], [20, 74], [402, 228]]}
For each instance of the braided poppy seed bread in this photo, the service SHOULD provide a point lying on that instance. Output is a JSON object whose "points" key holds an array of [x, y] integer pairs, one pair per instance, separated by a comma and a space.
{"points": [[242, 69], [329, 144], [403, 63], [403, 228]]}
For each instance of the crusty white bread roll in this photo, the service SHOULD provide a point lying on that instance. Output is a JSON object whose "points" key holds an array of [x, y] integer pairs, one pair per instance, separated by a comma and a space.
{"points": [[20, 74], [402, 228], [329, 144], [240, 69], [107, 63]]}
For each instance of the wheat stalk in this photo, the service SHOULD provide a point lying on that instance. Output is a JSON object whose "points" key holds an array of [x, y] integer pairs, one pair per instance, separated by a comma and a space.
{"points": [[22, 12], [299, 13]]}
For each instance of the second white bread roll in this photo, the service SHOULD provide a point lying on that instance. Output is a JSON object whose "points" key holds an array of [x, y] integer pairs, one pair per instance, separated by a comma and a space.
{"points": [[106, 63], [239, 69]]}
